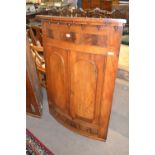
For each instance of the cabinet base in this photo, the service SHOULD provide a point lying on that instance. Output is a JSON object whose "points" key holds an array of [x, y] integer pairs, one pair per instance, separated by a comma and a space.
{"points": [[70, 124]]}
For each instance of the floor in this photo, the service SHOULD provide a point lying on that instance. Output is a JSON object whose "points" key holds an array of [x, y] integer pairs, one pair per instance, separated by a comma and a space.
{"points": [[65, 142], [124, 57]]}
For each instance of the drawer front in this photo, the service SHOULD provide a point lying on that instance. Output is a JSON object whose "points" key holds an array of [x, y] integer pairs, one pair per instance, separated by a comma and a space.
{"points": [[78, 38], [79, 34]]}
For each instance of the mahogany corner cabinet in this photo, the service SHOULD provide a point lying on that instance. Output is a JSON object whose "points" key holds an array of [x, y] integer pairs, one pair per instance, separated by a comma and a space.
{"points": [[81, 56]]}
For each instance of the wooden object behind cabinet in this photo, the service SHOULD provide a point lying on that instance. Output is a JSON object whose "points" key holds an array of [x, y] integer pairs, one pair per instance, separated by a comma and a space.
{"points": [[86, 4], [102, 4], [33, 89], [90, 4], [106, 5], [81, 56]]}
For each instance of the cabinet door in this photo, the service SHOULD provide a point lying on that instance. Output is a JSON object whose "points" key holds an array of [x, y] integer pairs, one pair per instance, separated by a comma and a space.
{"points": [[87, 75], [57, 80]]}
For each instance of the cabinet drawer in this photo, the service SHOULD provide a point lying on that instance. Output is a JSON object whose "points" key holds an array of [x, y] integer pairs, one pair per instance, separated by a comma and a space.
{"points": [[78, 38], [78, 34]]}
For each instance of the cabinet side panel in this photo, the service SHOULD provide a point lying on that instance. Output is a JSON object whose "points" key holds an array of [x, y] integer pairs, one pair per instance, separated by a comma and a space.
{"points": [[107, 95]]}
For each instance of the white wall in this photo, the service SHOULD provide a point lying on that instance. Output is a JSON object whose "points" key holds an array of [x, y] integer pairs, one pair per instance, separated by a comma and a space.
{"points": [[34, 1]]}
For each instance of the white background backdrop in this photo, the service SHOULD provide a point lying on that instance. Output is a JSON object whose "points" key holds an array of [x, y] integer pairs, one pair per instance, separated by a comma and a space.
{"points": [[13, 77]]}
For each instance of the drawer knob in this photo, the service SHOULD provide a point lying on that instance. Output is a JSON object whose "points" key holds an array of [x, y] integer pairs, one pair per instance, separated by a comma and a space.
{"points": [[110, 53], [68, 35]]}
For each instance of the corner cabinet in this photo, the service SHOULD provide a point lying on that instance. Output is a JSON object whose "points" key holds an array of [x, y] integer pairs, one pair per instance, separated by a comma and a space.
{"points": [[81, 56]]}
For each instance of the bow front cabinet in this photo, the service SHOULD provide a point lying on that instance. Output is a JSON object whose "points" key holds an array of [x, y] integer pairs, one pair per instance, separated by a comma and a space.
{"points": [[81, 56]]}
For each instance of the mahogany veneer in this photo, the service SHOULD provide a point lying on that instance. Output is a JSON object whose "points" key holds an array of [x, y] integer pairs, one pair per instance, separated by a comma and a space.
{"points": [[81, 56]]}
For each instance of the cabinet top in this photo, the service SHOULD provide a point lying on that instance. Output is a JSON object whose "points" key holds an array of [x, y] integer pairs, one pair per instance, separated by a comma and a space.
{"points": [[83, 20]]}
